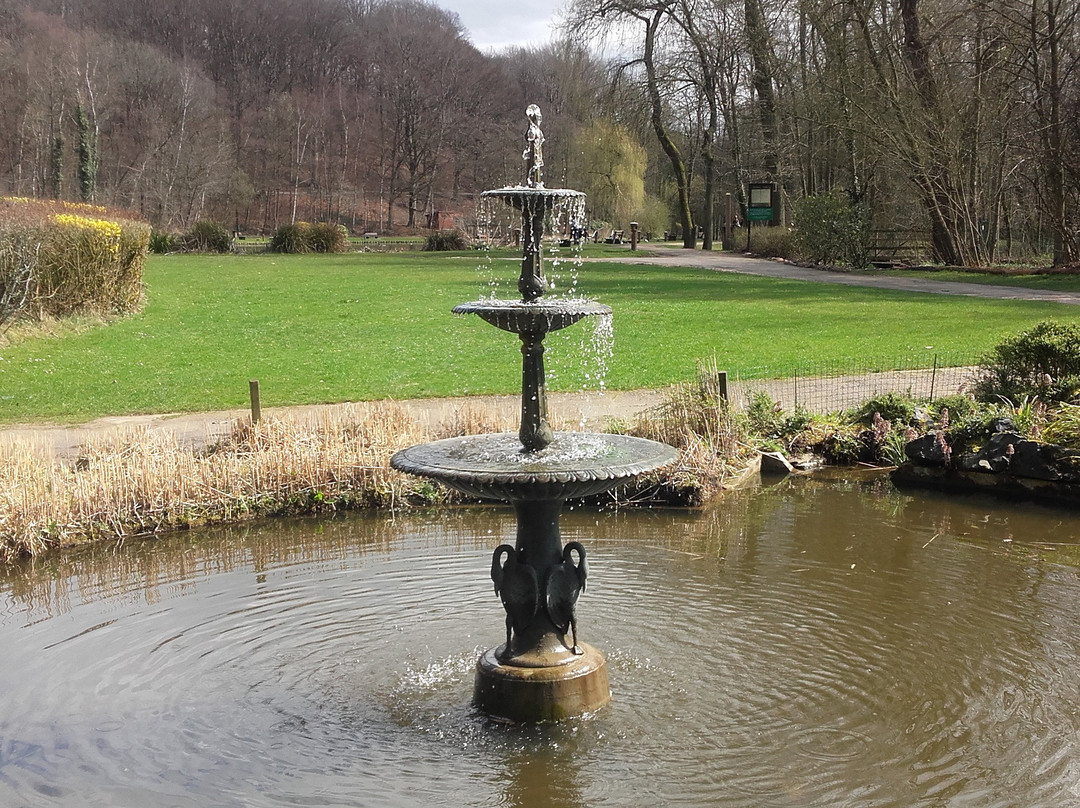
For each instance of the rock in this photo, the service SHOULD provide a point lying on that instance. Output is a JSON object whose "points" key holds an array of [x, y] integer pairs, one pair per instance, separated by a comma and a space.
{"points": [[999, 443], [774, 463], [929, 450], [1035, 460], [975, 462], [1002, 425]]}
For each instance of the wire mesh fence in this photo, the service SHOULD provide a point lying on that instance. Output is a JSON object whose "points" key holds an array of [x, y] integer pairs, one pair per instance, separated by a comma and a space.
{"points": [[826, 387]]}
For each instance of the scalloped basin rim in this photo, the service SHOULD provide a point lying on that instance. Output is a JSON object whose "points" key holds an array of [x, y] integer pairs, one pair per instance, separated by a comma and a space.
{"points": [[565, 306], [537, 317], [525, 190], [494, 466]]}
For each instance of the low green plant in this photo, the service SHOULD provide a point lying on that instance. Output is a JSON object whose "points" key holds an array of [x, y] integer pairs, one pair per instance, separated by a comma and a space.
{"points": [[1042, 362], [207, 237], [959, 405], [832, 230], [1064, 429], [765, 417], [897, 408], [446, 240], [162, 243], [771, 427]]}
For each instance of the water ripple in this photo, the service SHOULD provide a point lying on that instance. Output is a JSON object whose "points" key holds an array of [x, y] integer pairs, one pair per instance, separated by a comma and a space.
{"points": [[800, 648]]}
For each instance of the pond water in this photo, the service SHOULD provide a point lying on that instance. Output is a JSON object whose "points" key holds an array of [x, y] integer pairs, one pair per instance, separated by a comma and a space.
{"points": [[815, 643]]}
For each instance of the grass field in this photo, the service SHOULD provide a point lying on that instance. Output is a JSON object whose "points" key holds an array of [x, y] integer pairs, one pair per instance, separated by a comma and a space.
{"points": [[364, 326], [1050, 283]]}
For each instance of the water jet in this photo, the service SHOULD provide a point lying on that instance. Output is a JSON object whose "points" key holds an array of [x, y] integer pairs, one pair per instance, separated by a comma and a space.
{"points": [[541, 672]]}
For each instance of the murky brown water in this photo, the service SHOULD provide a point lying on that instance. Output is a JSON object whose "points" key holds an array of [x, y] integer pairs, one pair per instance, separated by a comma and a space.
{"points": [[812, 644]]}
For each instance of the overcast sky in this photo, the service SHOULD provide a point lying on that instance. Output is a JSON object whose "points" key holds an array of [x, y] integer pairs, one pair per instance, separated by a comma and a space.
{"points": [[496, 24]]}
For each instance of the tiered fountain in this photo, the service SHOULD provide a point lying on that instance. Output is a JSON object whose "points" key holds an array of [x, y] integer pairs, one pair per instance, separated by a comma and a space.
{"points": [[538, 674]]}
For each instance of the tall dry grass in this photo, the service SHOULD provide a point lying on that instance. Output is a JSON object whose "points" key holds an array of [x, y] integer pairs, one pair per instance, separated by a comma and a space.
{"points": [[696, 420], [143, 482]]}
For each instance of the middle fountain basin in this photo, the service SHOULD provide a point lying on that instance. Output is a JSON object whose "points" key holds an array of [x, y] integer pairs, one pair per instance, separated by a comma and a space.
{"points": [[537, 317]]}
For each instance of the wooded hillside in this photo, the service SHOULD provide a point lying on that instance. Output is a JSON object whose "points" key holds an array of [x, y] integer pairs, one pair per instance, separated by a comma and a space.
{"points": [[955, 119]]}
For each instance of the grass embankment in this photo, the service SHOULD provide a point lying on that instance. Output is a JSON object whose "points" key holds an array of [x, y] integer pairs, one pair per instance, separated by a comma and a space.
{"points": [[140, 483], [364, 327]]}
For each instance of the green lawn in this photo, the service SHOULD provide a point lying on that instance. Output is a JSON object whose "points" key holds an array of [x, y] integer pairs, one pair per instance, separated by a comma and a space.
{"points": [[365, 326]]}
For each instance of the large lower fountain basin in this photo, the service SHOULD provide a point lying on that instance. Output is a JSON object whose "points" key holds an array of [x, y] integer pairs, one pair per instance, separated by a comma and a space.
{"points": [[576, 464]]}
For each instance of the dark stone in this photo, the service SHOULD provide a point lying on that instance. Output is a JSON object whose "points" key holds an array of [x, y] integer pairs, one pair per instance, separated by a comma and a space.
{"points": [[999, 444], [807, 462], [926, 451], [774, 463], [1035, 460], [1005, 486], [1002, 425], [975, 462]]}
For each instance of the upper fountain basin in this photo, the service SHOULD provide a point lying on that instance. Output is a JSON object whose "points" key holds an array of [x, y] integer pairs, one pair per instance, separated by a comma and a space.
{"points": [[525, 197], [495, 466], [538, 317]]}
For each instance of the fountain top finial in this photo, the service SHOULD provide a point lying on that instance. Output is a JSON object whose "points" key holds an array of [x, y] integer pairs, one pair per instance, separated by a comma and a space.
{"points": [[534, 152]]}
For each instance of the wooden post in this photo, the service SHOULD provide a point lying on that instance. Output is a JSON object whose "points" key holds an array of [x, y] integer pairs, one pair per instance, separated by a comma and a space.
{"points": [[721, 384], [729, 224], [256, 405], [633, 235]]}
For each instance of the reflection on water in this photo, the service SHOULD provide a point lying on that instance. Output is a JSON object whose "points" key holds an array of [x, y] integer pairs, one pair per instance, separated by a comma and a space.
{"points": [[819, 642]]}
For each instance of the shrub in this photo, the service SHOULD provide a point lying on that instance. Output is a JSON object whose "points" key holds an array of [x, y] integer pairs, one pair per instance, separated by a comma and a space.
{"points": [[832, 230], [1042, 362], [207, 236], [302, 237], [323, 237], [61, 258], [162, 242], [771, 242], [446, 240], [897, 408], [288, 238]]}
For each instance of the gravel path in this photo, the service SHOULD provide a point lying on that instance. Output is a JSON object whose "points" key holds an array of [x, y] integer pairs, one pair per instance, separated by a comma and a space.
{"points": [[745, 265], [573, 410]]}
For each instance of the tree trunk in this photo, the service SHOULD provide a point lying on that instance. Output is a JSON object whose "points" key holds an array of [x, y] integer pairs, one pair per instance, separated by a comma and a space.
{"points": [[757, 35], [939, 191], [666, 143]]}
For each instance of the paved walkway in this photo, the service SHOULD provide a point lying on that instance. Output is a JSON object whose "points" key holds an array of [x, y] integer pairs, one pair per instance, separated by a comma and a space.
{"points": [[576, 410], [767, 268]]}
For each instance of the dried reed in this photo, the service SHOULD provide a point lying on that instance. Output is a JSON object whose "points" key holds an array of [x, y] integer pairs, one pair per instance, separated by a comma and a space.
{"points": [[695, 419], [142, 482]]}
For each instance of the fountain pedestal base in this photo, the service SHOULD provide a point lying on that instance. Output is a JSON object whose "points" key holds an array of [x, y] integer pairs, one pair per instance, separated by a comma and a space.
{"points": [[529, 695]]}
